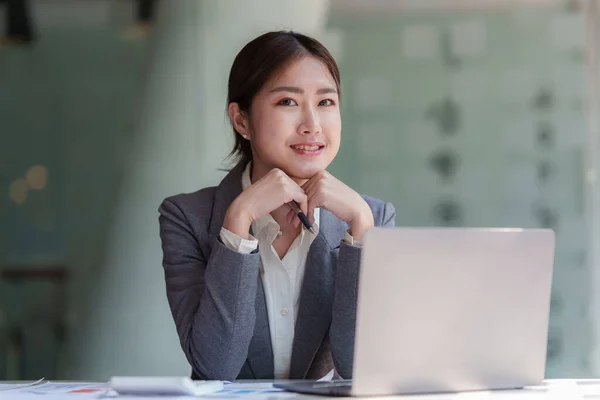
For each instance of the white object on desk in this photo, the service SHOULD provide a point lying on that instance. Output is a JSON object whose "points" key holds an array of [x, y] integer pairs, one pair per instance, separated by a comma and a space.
{"points": [[13, 386], [329, 377], [155, 386]]}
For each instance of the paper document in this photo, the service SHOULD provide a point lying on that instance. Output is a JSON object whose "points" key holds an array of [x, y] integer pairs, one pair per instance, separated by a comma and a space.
{"points": [[13, 386], [61, 389], [247, 390], [88, 389]]}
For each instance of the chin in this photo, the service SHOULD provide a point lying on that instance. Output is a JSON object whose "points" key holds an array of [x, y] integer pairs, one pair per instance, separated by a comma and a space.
{"points": [[304, 172]]}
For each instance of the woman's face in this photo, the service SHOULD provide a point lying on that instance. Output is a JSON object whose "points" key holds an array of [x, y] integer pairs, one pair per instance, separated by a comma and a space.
{"points": [[295, 123]]}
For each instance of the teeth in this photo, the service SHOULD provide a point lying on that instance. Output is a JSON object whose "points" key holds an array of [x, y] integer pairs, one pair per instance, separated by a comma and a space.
{"points": [[307, 148]]}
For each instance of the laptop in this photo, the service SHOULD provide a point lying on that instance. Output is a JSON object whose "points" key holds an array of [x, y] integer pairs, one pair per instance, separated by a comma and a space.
{"points": [[448, 310]]}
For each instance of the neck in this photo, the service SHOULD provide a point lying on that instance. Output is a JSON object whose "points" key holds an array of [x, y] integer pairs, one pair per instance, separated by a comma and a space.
{"points": [[258, 171]]}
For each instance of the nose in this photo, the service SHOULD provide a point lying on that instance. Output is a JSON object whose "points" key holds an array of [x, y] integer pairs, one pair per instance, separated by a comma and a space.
{"points": [[310, 124]]}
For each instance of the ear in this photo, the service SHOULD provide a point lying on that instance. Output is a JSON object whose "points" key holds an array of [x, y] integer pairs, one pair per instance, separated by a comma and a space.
{"points": [[239, 120]]}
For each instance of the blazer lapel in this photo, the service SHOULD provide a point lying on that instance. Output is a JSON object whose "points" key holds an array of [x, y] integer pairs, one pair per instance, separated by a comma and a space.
{"points": [[316, 295], [229, 188], [260, 352]]}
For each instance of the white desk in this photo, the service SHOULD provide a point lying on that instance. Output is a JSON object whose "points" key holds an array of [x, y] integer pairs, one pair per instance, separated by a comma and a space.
{"points": [[561, 389]]}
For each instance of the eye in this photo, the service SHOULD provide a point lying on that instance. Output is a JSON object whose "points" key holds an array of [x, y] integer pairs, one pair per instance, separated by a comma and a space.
{"points": [[287, 102], [326, 103]]}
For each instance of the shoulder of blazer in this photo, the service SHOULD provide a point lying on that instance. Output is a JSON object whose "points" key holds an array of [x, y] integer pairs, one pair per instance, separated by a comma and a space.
{"points": [[205, 208], [197, 208], [378, 207]]}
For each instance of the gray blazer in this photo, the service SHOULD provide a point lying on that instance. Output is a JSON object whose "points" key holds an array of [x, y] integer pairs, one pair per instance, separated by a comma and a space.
{"points": [[217, 297]]}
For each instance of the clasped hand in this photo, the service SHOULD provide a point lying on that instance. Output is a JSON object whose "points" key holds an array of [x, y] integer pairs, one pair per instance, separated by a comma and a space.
{"points": [[276, 189]]}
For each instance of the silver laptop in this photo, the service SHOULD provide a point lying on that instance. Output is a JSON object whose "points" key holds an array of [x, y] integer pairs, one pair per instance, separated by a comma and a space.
{"points": [[449, 310]]}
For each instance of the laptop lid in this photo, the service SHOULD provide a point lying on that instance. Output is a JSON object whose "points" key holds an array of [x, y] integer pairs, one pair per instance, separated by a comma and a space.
{"points": [[452, 309]]}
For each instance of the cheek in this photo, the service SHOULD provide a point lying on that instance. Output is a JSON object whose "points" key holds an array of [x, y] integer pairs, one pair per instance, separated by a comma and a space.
{"points": [[270, 130], [332, 126], [274, 125], [279, 126]]}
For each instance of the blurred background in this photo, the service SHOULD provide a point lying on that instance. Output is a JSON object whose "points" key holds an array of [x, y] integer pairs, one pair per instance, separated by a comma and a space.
{"points": [[460, 112]]}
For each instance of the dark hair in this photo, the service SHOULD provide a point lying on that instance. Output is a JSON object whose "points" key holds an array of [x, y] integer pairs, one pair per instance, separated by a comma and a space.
{"points": [[256, 64]]}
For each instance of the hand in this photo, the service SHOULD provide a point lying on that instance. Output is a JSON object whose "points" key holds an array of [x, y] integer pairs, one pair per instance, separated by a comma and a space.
{"points": [[326, 191], [261, 198]]}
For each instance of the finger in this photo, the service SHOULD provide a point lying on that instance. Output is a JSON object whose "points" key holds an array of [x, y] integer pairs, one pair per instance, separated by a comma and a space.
{"points": [[308, 185], [310, 211], [293, 192], [296, 221], [310, 207], [308, 182], [290, 216], [313, 202], [302, 200], [315, 189]]}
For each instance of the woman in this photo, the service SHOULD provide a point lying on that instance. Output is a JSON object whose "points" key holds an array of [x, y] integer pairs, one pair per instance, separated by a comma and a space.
{"points": [[254, 294]]}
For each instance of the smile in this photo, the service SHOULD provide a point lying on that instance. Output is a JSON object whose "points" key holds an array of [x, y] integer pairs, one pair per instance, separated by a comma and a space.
{"points": [[307, 148]]}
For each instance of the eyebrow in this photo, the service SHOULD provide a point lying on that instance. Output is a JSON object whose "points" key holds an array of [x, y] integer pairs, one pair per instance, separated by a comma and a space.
{"points": [[294, 89]]}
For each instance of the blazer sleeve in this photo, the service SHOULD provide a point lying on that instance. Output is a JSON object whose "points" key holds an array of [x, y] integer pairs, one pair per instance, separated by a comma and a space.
{"points": [[211, 296], [343, 323]]}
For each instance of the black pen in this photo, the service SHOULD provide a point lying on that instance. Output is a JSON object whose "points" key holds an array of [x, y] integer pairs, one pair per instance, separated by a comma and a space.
{"points": [[302, 216]]}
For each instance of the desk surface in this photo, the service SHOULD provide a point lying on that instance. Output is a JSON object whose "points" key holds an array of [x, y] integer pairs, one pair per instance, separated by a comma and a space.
{"points": [[555, 389]]}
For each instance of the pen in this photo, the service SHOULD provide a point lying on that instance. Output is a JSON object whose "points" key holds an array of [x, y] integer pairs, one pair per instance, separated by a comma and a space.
{"points": [[302, 216]]}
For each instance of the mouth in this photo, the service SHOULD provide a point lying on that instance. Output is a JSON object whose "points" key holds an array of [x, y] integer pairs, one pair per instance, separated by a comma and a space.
{"points": [[308, 146], [312, 149]]}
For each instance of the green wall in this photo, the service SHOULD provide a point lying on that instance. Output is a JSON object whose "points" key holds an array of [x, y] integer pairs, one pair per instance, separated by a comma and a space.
{"points": [[69, 103], [476, 119]]}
